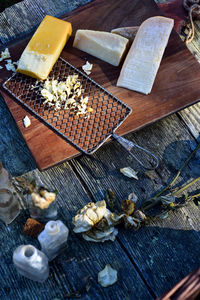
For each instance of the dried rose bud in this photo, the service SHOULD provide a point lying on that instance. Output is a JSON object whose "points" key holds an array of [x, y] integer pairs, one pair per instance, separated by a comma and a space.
{"points": [[128, 207]]}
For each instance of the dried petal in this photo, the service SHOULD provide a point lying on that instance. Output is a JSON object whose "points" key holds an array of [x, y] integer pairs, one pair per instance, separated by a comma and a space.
{"points": [[128, 207], [129, 172], [131, 222], [167, 199], [116, 218], [107, 276], [95, 235], [132, 197]]}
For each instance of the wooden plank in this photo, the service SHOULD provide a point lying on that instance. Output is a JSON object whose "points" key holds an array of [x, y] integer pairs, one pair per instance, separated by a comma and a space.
{"points": [[167, 250], [175, 86], [70, 271], [187, 288]]}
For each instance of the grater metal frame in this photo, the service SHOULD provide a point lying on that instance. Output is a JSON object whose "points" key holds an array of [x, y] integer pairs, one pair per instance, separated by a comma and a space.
{"points": [[111, 100]]}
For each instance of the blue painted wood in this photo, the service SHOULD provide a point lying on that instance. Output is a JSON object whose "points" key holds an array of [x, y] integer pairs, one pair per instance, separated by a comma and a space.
{"points": [[152, 259]]}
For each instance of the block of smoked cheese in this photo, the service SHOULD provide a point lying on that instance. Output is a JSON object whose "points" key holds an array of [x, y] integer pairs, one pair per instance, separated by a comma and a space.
{"points": [[104, 45], [144, 57], [44, 48]]}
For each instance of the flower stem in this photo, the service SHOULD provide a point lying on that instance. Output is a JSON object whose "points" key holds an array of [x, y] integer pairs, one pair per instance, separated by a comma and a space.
{"points": [[178, 173], [185, 187]]}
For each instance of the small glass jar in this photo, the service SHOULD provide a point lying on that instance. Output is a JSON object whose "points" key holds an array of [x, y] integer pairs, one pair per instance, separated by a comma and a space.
{"points": [[9, 206], [53, 239], [5, 181], [31, 263]]}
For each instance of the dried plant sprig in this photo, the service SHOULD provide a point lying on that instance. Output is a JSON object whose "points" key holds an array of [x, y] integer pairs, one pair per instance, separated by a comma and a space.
{"points": [[156, 199]]}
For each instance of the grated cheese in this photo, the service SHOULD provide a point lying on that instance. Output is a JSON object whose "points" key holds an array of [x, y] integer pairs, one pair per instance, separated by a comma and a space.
{"points": [[66, 94]]}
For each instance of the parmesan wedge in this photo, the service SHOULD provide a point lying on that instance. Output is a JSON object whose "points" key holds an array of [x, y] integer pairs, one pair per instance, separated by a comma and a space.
{"points": [[143, 60], [104, 45]]}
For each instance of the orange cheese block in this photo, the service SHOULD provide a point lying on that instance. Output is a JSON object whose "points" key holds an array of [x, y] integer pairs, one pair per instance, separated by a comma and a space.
{"points": [[44, 47]]}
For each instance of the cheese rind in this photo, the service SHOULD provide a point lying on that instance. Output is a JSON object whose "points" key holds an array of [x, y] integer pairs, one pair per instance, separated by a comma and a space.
{"points": [[104, 45], [44, 48], [144, 57]]}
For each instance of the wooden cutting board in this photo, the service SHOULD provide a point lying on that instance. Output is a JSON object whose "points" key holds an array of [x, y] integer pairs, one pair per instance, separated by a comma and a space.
{"points": [[176, 85]]}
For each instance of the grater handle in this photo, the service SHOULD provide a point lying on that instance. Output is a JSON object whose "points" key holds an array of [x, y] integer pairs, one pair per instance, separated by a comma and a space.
{"points": [[128, 145]]}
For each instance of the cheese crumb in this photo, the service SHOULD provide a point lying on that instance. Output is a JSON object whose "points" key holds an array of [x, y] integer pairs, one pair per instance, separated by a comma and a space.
{"points": [[5, 54], [10, 65], [87, 68], [27, 121]]}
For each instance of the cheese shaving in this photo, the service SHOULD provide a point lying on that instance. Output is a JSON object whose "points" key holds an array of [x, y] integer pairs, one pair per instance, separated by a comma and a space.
{"points": [[5, 54], [10, 65], [66, 94], [87, 68], [27, 121]]}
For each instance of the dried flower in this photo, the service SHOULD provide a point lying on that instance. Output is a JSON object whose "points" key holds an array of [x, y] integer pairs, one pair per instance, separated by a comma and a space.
{"points": [[96, 222], [128, 207]]}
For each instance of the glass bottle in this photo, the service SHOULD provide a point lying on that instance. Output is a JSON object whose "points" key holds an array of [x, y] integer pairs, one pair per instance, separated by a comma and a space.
{"points": [[9, 206], [31, 263], [53, 239]]}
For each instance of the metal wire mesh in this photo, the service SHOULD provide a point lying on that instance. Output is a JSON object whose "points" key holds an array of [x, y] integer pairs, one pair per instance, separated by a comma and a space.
{"points": [[86, 132]]}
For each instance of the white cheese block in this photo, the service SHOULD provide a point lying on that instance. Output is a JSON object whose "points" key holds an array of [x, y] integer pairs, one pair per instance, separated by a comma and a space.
{"points": [[143, 60], [104, 45]]}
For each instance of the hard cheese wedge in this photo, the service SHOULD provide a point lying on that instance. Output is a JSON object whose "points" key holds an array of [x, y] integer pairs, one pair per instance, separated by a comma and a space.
{"points": [[44, 48], [143, 60], [104, 45]]}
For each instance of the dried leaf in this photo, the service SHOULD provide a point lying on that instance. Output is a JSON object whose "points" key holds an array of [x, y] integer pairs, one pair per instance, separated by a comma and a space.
{"points": [[167, 199], [129, 172], [132, 197], [128, 207], [131, 222], [107, 276], [111, 198]]}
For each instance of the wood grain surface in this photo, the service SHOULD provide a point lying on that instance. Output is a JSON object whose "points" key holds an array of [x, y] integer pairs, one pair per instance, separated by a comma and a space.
{"points": [[150, 261], [176, 84]]}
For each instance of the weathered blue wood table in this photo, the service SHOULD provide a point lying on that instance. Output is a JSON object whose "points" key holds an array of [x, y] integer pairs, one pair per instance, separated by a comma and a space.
{"points": [[149, 261]]}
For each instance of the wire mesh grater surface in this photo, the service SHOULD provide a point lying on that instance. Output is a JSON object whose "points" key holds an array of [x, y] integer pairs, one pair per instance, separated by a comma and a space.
{"points": [[86, 132]]}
